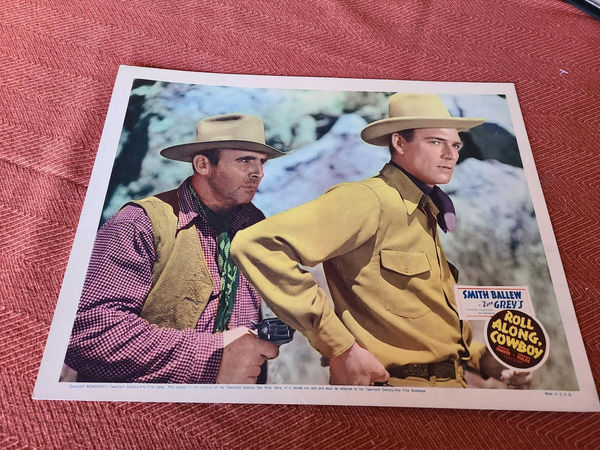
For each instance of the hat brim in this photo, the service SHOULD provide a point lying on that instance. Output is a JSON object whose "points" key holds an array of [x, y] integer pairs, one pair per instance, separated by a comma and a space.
{"points": [[378, 133], [186, 152]]}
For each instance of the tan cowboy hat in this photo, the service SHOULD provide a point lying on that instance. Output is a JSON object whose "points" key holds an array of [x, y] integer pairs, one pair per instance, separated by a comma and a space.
{"points": [[229, 131], [408, 111]]}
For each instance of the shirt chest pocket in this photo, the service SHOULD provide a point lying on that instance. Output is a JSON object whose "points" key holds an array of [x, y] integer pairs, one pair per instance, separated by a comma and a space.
{"points": [[407, 276]]}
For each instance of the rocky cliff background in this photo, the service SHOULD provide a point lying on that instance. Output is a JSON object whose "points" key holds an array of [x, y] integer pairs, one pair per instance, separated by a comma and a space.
{"points": [[497, 241]]}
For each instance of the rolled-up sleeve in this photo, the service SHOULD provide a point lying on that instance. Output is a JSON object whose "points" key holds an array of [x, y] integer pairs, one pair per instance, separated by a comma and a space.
{"points": [[270, 254]]}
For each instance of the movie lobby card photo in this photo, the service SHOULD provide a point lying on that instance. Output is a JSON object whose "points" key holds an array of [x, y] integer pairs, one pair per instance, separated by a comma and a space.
{"points": [[259, 239]]}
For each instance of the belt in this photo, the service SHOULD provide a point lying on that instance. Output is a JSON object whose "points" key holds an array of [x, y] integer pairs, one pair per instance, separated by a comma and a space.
{"points": [[450, 368]]}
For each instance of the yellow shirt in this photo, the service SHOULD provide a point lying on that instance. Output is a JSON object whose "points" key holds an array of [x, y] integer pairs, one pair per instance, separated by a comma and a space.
{"points": [[391, 285]]}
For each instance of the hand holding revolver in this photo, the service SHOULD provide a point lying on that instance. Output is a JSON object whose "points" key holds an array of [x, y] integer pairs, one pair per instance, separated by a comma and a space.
{"points": [[245, 350]]}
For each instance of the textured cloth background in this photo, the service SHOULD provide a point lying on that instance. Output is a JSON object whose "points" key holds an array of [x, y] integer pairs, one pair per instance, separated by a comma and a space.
{"points": [[58, 61]]}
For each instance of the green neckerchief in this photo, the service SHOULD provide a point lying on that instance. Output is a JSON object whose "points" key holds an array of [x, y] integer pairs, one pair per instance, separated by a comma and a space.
{"points": [[228, 271]]}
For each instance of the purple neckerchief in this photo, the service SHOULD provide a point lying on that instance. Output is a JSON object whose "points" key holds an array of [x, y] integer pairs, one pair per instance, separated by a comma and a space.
{"points": [[447, 215]]}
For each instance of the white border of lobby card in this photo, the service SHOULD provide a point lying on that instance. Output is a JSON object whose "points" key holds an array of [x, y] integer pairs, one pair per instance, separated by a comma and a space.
{"points": [[48, 387]]}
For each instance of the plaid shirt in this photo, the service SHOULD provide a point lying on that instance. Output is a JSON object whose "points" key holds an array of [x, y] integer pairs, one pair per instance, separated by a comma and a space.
{"points": [[110, 342]]}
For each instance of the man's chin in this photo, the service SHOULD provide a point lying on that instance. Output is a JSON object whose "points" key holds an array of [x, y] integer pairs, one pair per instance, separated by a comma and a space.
{"points": [[444, 178], [246, 198]]}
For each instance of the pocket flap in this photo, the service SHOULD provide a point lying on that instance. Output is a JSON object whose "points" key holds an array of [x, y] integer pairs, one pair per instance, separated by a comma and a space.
{"points": [[405, 263]]}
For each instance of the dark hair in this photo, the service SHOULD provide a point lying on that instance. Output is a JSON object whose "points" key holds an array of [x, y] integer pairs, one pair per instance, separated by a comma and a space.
{"points": [[408, 136], [212, 154]]}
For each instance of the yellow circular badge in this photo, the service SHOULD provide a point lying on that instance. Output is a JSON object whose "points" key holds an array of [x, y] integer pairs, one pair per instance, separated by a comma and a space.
{"points": [[517, 340]]}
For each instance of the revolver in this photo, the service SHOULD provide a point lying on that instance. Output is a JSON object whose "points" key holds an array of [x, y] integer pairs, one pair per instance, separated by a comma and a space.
{"points": [[274, 330]]}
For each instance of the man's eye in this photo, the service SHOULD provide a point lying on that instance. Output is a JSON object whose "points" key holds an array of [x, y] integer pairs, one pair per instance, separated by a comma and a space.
{"points": [[435, 142], [457, 146]]}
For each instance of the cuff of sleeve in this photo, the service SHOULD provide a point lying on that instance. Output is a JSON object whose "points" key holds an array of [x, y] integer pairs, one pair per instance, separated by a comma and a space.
{"points": [[331, 338], [477, 349], [209, 351]]}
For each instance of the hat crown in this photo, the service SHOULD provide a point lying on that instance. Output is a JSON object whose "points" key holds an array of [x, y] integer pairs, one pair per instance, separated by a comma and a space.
{"points": [[417, 105], [231, 127]]}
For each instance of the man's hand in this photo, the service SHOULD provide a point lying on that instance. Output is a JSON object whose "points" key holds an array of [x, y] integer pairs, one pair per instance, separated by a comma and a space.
{"points": [[516, 380], [243, 354], [511, 378], [356, 366]]}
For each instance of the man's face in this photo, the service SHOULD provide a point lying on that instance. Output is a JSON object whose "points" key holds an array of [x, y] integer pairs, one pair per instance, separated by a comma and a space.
{"points": [[235, 179], [430, 156]]}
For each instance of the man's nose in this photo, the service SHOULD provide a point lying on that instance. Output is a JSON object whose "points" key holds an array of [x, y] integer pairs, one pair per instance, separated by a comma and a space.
{"points": [[449, 152], [257, 170]]}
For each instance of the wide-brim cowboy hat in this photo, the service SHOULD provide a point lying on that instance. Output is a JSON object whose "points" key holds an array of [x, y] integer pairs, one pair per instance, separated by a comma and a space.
{"points": [[409, 111], [228, 131]]}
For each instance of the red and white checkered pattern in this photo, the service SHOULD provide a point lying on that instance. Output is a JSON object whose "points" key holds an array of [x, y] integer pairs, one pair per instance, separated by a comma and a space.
{"points": [[110, 342]]}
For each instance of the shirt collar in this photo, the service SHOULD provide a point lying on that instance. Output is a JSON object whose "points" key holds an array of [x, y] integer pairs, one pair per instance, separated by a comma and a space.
{"points": [[188, 210], [440, 203], [412, 195], [427, 190]]}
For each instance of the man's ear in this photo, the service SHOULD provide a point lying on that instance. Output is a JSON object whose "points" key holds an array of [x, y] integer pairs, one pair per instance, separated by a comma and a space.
{"points": [[201, 164], [397, 142]]}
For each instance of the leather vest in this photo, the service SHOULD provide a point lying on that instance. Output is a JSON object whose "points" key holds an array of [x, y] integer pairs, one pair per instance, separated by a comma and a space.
{"points": [[181, 281]]}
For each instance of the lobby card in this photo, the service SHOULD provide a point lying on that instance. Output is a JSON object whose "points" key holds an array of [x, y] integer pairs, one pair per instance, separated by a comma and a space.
{"points": [[511, 286]]}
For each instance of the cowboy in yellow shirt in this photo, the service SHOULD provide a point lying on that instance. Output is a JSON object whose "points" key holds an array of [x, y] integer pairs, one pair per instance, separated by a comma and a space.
{"points": [[394, 318]]}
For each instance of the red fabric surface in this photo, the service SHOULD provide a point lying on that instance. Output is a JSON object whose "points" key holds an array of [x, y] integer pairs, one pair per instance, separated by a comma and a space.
{"points": [[58, 64]]}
